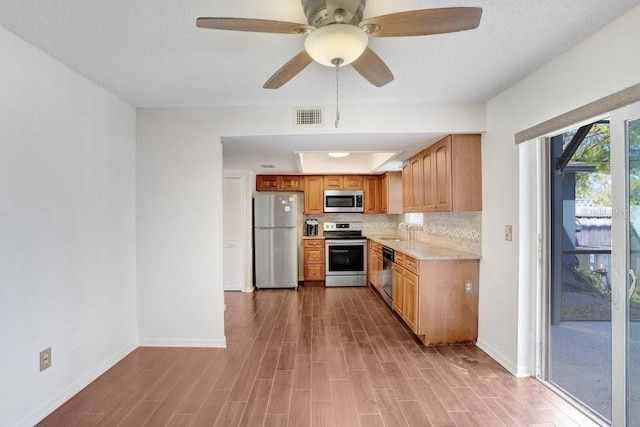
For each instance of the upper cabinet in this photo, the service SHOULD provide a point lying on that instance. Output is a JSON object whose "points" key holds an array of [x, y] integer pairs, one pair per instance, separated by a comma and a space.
{"points": [[279, 183], [444, 177], [313, 195], [391, 193], [407, 200], [343, 182], [416, 181], [383, 193], [372, 202]]}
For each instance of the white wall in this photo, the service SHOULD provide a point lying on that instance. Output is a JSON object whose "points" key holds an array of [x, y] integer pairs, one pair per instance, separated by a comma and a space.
{"points": [[67, 231], [599, 66], [179, 215]]}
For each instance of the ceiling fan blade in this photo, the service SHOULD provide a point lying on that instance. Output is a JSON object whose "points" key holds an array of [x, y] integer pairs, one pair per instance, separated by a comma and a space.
{"points": [[289, 70], [254, 25], [349, 6], [425, 22], [372, 68]]}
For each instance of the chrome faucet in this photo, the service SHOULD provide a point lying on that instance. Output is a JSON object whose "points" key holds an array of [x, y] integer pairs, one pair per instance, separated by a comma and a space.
{"points": [[407, 228]]}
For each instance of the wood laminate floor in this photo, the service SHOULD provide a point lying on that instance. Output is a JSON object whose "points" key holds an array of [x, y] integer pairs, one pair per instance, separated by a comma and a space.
{"points": [[313, 357]]}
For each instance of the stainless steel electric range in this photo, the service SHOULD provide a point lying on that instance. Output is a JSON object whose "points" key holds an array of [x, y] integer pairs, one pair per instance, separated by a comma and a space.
{"points": [[345, 254]]}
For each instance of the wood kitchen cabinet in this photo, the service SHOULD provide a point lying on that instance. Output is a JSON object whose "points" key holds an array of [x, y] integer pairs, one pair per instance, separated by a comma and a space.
{"points": [[429, 295], [372, 194], [313, 195], [441, 188], [391, 193], [405, 289], [410, 299], [444, 177], [398, 302], [314, 261], [407, 200], [416, 184], [448, 315], [279, 183], [426, 163], [343, 182], [374, 267]]}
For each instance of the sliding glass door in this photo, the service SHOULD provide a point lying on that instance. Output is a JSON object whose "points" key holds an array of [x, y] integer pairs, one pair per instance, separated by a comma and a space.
{"points": [[592, 298], [625, 129], [579, 328]]}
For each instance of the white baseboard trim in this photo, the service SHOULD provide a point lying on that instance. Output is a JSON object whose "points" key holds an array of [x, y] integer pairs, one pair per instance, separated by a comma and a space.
{"points": [[502, 359], [66, 394], [181, 342]]}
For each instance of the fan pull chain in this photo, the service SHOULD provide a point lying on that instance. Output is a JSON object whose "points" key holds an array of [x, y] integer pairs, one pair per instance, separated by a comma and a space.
{"points": [[337, 62], [337, 97]]}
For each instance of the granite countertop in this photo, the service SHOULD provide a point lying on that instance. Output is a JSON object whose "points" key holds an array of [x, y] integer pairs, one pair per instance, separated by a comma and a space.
{"points": [[422, 250]]}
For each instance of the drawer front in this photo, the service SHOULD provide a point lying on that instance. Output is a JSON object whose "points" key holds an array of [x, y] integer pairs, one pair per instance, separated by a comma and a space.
{"points": [[314, 255], [399, 258], [411, 264], [314, 243], [313, 272]]}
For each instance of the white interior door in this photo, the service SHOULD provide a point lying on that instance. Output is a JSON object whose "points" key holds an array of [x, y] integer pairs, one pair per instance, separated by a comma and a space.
{"points": [[233, 261]]}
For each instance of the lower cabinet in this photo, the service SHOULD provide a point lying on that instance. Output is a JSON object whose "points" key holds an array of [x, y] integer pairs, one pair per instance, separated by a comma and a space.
{"points": [[447, 314], [430, 297], [374, 267], [410, 299], [405, 291], [313, 261]]}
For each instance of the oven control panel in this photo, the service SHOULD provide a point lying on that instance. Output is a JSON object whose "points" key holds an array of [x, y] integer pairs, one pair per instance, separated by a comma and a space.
{"points": [[342, 226]]}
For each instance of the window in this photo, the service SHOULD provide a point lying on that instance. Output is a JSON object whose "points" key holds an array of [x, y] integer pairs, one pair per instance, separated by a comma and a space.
{"points": [[414, 218]]}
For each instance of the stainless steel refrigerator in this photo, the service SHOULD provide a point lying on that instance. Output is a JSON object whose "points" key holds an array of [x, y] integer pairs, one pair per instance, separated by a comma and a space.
{"points": [[275, 221]]}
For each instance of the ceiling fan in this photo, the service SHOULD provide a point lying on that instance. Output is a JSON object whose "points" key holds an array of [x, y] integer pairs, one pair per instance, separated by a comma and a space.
{"points": [[337, 35]]}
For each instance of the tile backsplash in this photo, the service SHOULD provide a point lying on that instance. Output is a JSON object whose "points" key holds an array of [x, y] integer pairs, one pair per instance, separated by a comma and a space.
{"points": [[380, 225], [456, 230]]}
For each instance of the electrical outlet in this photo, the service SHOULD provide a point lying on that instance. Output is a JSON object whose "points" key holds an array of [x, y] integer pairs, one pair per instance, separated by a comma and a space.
{"points": [[508, 233], [45, 359], [468, 287]]}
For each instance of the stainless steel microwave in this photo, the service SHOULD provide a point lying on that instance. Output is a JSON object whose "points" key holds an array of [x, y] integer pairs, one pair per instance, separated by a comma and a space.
{"points": [[343, 201]]}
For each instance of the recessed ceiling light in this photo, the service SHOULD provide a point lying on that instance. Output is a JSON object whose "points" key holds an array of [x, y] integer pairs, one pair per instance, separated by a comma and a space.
{"points": [[338, 154]]}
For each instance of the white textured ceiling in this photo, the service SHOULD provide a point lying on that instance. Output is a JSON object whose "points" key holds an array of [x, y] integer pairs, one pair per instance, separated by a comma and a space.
{"points": [[151, 54]]}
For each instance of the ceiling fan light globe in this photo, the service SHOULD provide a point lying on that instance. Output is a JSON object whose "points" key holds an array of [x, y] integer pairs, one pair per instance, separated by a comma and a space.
{"points": [[336, 41]]}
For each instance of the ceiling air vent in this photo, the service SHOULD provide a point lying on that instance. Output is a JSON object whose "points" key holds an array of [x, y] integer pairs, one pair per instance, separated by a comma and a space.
{"points": [[267, 166], [309, 117]]}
